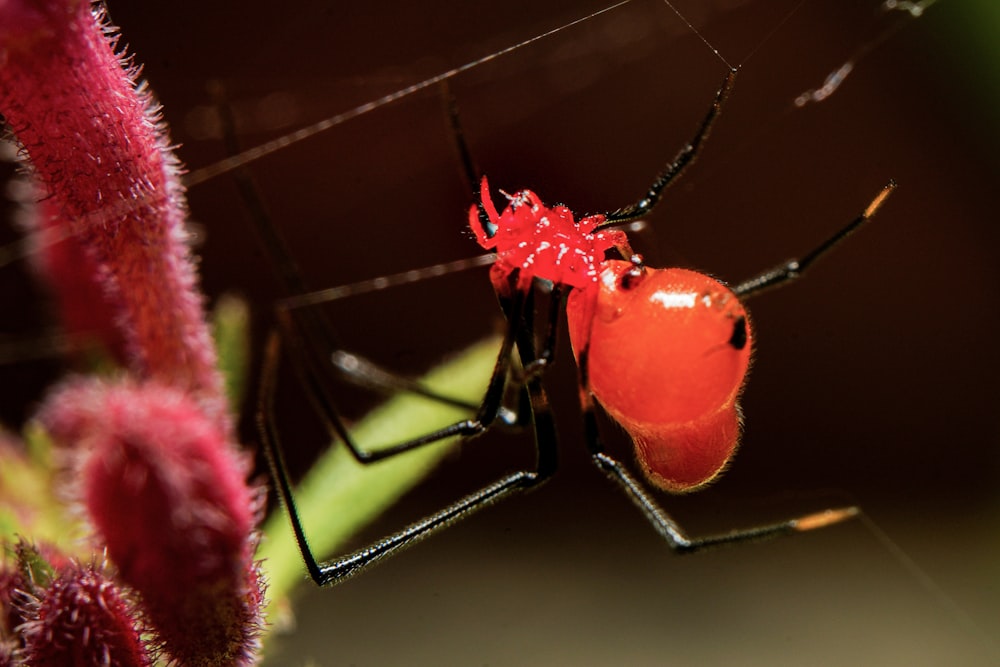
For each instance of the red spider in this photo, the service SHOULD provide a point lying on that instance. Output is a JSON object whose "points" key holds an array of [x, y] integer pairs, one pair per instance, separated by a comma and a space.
{"points": [[664, 351]]}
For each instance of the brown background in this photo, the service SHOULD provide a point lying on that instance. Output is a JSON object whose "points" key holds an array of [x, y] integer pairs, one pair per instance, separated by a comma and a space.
{"points": [[874, 380]]}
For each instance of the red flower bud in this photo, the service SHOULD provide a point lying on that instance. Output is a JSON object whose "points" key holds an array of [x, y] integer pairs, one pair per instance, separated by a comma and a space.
{"points": [[167, 494], [81, 619], [101, 159]]}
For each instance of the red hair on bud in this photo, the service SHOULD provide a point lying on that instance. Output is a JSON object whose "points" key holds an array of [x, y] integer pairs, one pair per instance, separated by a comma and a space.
{"points": [[100, 157], [81, 618], [167, 493]]}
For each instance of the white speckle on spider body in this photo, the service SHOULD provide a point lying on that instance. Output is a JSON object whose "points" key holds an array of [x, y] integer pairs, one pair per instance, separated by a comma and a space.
{"points": [[542, 242]]}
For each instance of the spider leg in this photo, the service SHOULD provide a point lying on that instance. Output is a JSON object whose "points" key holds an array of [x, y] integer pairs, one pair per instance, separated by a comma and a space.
{"points": [[517, 307], [472, 174], [676, 167], [676, 537], [345, 567], [792, 269], [629, 213], [308, 366], [550, 339], [316, 338], [300, 321]]}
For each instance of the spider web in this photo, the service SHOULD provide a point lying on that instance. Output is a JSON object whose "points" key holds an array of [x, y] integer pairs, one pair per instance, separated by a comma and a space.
{"points": [[582, 101]]}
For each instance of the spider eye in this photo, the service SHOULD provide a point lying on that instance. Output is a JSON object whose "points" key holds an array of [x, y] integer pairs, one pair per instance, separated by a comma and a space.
{"points": [[739, 338]]}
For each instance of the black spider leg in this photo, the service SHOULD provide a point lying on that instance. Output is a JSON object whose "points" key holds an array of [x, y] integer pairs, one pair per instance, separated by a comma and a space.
{"points": [[684, 158], [794, 268], [669, 529], [486, 413], [469, 171], [675, 536], [518, 310], [551, 340]]}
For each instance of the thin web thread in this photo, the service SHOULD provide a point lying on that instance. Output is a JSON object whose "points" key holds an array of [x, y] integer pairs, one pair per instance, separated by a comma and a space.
{"points": [[20, 249], [248, 156], [931, 587], [704, 41]]}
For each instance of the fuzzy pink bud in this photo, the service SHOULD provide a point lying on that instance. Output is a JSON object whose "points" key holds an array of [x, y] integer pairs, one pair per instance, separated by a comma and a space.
{"points": [[167, 494], [82, 619], [101, 158], [65, 266]]}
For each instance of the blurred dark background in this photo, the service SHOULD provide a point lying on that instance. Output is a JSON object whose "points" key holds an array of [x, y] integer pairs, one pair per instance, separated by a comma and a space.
{"points": [[875, 379]]}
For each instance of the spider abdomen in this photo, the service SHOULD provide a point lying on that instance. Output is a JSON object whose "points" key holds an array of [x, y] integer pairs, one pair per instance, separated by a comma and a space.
{"points": [[667, 353]]}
